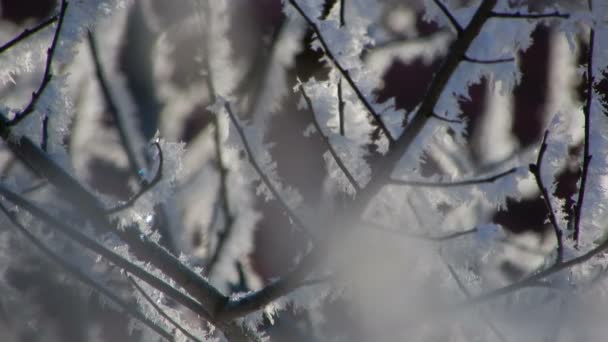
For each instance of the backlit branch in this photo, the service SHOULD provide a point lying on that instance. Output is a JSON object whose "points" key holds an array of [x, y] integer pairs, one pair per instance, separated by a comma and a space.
{"points": [[535, 169], [46, 78], [345, 73]]}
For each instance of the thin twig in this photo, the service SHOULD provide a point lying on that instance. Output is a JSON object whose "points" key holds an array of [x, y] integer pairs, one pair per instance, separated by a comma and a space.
{"points": [[578, 207], [160, 310], [450, 16], [224, 234], [520, 15], [146, 186], [535, 169], [84, 278], [488, 61], [44, 140], [341, 104], [46, 78], [28, 32], [250, 156], [134, 166], [332, 151], [467, 293], [489, 179], [418, 236], [534, 279], [342, 10], [345, 73], [443, 118]]}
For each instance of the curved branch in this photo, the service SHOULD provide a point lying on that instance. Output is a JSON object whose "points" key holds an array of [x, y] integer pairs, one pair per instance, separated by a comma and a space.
{"points": [[489, 179], [146, 186], [332, 151]]}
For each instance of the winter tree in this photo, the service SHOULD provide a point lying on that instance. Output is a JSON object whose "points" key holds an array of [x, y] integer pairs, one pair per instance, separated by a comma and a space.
{"points": [[340, 170]]}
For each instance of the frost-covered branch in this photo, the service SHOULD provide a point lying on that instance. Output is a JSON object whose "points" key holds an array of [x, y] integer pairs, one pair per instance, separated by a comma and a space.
{"points": [[160, 310], [578, 207], [345, 73], [146, 185], [46, 78], [332, 151], [117, 115], [28, 32], [83, 277], [107, 254], [224, 203], [384, 168], [535, 169], [250, 156], [489, 179]]}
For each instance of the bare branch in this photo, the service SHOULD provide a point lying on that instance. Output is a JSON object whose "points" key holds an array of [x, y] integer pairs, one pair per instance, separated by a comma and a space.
{"points": [[449, 15], [442, 118], [28, 32], [578, 207], [146, 186], [341, 104], [520, 15], [160, 310], [46, 78], [489, 179], [488, 61], [332, 151], [345, 74], [535, 169]]}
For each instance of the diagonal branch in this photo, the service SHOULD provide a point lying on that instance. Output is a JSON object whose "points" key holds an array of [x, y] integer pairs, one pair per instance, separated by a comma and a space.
{"points": [[489, 179], [250, 156], [109, 255], [160, 310], [83, 277], [345, 73], [134, 166], [332, 151], [450, 16], [488, 61], [46, 78], [28, 32], [535, 169], [578, 208]]}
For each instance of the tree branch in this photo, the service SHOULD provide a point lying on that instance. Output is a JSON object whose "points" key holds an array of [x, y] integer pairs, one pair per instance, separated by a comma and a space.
{"points": [[332, 151], [134, 166], [449, 15], [160, 310], [489, 179], [578, 208], [488, 61], [520, 15], [28, 32], [345, 74], [83, 277], [146, 185], [535, 169], [250, 156], [46, 78]]}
